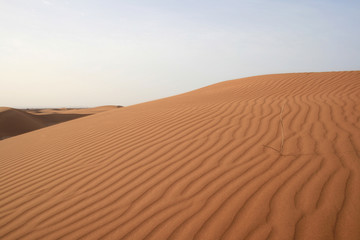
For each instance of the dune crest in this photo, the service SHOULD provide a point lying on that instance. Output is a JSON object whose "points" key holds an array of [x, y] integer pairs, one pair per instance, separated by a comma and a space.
{"points": [[265, 157]]}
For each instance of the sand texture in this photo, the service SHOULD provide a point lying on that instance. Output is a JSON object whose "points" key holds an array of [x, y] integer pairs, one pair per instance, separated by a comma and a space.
{"points": [[14, 122], [267, 157]]}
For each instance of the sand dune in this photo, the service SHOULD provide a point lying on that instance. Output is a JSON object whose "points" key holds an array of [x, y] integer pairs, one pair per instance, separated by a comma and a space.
{"points": [[16, 121], [207, 164]]}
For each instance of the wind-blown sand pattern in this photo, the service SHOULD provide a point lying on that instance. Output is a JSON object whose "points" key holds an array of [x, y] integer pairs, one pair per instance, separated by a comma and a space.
{"points": [[16, 121], [202, 165]]}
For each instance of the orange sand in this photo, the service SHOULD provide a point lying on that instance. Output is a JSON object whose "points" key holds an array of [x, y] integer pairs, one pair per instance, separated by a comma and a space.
{"points": [[202, 165], [15, 121]]}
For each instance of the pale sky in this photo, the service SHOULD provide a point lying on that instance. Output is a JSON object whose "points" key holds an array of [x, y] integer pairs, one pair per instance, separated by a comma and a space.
{"points": [[84, 53]]}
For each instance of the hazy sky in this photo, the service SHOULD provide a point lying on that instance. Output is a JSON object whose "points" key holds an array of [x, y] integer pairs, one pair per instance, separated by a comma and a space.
{"points": [[59, 53]]}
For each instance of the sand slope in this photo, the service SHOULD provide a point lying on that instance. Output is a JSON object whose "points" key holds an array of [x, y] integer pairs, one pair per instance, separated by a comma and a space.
{"points": [[15, 121], [201, 165]]}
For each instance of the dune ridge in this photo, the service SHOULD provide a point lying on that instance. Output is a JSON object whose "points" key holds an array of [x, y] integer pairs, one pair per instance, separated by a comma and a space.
{"points": [[206, 164]]}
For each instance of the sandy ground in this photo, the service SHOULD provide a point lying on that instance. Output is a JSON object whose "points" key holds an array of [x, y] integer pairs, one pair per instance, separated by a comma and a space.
{"points": [[14, 122], [266, 157]]}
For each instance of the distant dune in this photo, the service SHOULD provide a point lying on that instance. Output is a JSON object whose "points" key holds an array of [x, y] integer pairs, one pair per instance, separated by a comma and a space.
{"points": [[266, 157], [16, 121]]}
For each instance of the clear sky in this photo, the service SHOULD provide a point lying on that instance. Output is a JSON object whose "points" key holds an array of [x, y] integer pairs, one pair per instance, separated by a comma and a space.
{"points": [[83, 53]]}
